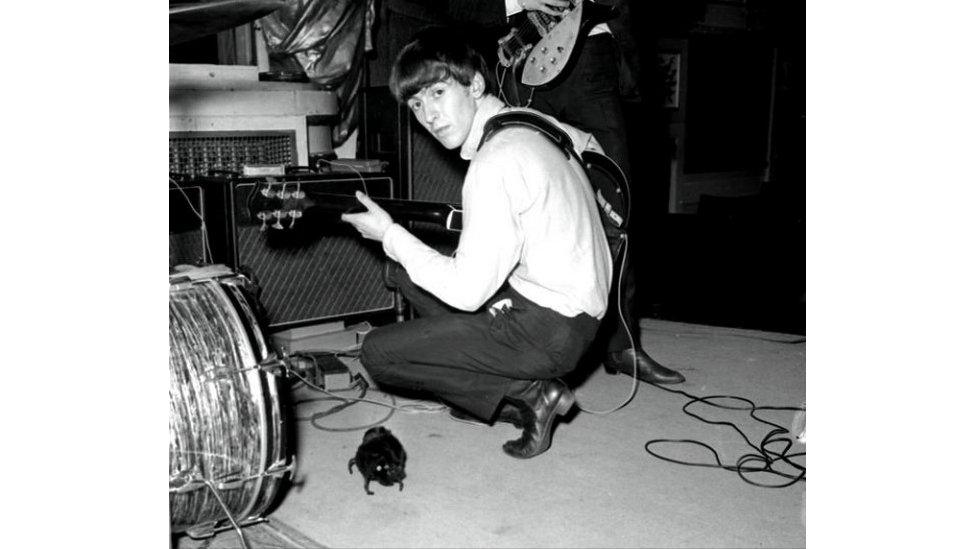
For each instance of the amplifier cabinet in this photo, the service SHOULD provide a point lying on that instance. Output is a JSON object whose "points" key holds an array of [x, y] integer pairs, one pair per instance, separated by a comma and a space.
{"points": [[309, 272]]}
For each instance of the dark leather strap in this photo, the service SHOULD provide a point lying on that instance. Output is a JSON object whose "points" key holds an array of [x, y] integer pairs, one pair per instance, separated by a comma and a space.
{"points": [[532, 120], [607, 179]]}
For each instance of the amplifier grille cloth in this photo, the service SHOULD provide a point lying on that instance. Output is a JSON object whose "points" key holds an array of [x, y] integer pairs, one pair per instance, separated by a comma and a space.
{"points": [[336, 276], [186, 249]]}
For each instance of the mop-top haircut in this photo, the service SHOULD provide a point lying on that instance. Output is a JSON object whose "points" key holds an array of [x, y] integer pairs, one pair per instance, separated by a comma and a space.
{"points": [[435, 54]]}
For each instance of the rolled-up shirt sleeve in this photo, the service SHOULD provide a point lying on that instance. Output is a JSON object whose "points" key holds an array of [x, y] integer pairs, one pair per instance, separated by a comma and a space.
{"points": [[489, 247]]}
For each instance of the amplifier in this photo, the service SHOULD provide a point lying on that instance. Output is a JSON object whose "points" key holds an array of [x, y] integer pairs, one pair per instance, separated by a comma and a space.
{"points": [[309, 271]]}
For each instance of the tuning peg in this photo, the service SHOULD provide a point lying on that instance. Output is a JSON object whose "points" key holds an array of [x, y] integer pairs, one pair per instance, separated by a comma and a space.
{"points": [[263, 216], [277, 225], [293, 214], [267, 192], [298, 194]]}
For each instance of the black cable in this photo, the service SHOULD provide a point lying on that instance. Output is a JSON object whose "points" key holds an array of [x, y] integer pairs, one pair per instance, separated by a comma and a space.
{"points": [[765, 456], [344, 403]]}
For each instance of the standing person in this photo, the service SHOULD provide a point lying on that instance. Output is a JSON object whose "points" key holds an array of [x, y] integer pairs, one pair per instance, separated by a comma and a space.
{"points": [[529, 280], [587, 95]]}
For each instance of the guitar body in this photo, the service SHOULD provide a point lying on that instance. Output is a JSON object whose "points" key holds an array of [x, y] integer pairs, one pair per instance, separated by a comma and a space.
{"points": [[543, 45]]}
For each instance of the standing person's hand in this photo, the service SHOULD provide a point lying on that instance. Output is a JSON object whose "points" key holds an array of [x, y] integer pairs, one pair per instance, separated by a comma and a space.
{"points": [[372, 223]]}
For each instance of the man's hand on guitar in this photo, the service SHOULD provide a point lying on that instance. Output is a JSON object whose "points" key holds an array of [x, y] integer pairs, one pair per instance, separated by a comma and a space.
{"points": [[372, 223], [552, 7]]}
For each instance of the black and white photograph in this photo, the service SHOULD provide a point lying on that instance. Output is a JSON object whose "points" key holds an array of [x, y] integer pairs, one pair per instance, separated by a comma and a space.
{"points": [[487, 274]]}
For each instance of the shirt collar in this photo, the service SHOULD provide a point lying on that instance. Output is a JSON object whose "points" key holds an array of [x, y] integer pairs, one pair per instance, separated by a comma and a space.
{"points": [[489, 106]]}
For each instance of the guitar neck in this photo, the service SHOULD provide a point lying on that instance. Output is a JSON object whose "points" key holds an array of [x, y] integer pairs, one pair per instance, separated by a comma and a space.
{"points": [[443, 214]]}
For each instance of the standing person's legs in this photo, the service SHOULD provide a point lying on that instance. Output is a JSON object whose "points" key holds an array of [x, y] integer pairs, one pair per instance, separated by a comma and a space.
{"points": [[590, 100]]}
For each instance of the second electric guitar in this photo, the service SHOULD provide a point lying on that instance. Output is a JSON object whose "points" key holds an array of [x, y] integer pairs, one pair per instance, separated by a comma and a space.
{"points": [[543, 45]]}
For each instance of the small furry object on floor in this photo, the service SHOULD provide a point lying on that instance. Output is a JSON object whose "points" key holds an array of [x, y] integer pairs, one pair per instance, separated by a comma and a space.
{"points": [[380, 457]]}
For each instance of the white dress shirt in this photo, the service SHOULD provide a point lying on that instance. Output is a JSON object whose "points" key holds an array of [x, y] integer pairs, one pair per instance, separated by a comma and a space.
{"points": [[530, 217]]}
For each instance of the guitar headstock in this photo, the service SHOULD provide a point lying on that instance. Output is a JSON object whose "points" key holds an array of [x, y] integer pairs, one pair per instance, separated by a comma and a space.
{"points": [[278, 204]]}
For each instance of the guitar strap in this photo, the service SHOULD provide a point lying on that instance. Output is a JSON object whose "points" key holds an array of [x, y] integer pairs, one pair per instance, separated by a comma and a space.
{"points": [[614, 214], [531, 120]]}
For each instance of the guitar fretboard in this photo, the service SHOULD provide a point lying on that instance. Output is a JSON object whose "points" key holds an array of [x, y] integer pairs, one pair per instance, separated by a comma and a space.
{"points": [[543, 21]]}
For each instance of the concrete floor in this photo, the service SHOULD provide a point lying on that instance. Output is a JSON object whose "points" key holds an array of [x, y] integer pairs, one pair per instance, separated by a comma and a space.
{"points": [[596, 487]]}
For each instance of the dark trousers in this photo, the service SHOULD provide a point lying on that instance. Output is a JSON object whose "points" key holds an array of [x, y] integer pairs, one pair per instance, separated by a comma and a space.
{"points": [[587, 96], [471, 360]]}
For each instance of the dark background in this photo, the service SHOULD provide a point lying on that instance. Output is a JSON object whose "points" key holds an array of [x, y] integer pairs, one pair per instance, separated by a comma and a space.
{"points": [[735, 254]]}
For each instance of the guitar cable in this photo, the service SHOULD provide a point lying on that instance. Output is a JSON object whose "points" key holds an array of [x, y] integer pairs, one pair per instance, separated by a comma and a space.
{"points": [[207, 253], [345, 401], [500, 78], [630, 335], [338, 162], [767, 457]]}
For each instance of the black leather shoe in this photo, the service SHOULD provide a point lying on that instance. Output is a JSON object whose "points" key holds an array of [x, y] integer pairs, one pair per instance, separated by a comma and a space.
{"points": [[539, 402], [648, 370], [507, 413]]}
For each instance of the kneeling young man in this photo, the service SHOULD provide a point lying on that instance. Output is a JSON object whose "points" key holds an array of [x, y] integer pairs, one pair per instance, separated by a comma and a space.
{"points": [[521, 299]]}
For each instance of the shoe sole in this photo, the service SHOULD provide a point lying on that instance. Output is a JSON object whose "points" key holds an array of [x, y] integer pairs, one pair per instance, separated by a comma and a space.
{"points": [[468, 421], [613, 371], [473, 421]]}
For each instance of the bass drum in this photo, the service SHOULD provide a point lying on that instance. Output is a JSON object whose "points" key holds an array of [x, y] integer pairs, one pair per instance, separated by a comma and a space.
{"points": [[227, 451]]}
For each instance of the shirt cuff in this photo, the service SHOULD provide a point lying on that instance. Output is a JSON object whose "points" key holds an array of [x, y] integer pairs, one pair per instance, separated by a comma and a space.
{"points": [[512, 7]]}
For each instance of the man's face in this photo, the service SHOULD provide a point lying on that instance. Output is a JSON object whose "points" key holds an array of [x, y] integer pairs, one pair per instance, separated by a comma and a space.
{"points": [[447, 109]]}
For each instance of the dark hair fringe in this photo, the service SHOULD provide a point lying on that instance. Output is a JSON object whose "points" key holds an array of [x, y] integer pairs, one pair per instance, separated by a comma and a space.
{"points": [[435, 54]]}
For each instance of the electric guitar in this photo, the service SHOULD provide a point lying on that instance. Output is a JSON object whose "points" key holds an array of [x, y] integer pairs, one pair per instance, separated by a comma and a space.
{"points": [[283, 205], [543, 45]]}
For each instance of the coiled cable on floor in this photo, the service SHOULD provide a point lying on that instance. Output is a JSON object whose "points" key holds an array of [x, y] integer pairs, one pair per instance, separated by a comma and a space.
{"points": [[763, 461]]}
